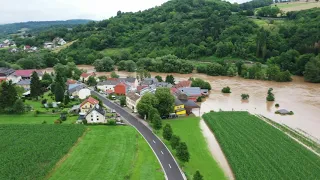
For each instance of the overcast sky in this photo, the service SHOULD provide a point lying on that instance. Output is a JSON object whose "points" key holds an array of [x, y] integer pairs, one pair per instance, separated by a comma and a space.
{"points": [[47, 10]]}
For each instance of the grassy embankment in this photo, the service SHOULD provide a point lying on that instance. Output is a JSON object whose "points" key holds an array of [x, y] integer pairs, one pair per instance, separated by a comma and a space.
{"points": [[31, 151], [110, 153], [256, 150], [188, 129]]}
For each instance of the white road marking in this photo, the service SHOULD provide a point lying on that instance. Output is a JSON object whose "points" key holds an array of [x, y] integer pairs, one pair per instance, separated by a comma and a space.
{"points": [[153, 141], [170, 166], [161, 152]]}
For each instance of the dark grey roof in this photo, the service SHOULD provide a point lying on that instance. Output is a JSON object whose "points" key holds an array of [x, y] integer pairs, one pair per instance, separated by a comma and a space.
{"points": [[164, 84], [190, 91], [177, 102], [6, 71], [189, 103], [99, 109], [149, 81], [75, 87], [283, 111], [108, 82], [128, 79], [24, 82]]}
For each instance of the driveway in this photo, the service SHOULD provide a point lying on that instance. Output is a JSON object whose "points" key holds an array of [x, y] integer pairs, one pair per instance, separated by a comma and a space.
{"points": [[168, 163]]}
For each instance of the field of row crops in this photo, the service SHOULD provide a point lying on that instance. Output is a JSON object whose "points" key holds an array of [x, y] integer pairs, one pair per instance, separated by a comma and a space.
{"points": [[256, 150], [31, 151]]}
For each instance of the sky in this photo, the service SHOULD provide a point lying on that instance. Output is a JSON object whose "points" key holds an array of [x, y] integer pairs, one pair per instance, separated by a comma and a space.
{"points": [[48, 10]]}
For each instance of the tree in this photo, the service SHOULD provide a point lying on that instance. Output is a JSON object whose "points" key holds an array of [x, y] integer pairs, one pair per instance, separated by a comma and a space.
{"points": [[92, 81], [197, 82], [18, 107], [130, 66], [105, 64], [35, 85], [146, 103], [167, 132], [123, 101], [197, 176], [114, 75], [245, 96], [102, 78], [226, 90], [270, 96], [170, 79], [312, 71], [58, 92], [159, 78], [174, 141], [8, 96], [151, 113], [46, 80], [182, 152], [66, 99], [157, 122], [165, 101]]}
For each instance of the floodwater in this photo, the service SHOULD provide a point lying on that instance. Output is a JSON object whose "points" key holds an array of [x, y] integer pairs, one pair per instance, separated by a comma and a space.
{"points": [[298, 96]]}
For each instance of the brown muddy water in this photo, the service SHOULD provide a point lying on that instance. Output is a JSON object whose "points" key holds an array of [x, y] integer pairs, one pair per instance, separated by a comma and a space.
{"points": [[298, 96]]}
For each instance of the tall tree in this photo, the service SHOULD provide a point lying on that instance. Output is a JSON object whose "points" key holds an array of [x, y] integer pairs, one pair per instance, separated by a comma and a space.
{"points": [[18, 107], [157, 123], [165, 101], [8, 96], [58, 92], [175, 141], [170, 79], [182, 152], [35, 86], [167, 132], [92, 81], [312, 70], [159, 78]]}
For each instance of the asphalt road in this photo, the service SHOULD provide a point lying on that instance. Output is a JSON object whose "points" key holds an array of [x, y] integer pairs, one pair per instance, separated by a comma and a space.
{"points": [[169, 165]]}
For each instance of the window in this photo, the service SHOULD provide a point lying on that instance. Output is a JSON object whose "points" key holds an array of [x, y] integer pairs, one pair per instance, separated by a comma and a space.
{"points": [[91, 119]]}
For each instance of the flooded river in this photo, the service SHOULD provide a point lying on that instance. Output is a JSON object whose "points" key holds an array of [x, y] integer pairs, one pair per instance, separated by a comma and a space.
{"points": [[298, 96]]}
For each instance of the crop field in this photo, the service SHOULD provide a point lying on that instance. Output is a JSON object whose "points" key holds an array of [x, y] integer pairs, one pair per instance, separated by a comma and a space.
{"points": [[297, 6], [256, 150], [188, 128], [31, 151], [108, 152]]}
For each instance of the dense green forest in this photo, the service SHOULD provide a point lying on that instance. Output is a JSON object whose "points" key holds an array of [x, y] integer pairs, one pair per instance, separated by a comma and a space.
{"points": [[191, 29]]}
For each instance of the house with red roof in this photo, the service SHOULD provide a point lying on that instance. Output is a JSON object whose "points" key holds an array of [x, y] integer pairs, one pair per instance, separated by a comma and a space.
{"points": [[120, 89], [88, 104], [182, 84], [2, 79], [85, 76], [26, 73]]}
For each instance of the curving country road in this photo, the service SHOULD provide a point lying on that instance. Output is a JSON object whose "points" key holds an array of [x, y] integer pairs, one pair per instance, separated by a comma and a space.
{"points": [[168, 163]]}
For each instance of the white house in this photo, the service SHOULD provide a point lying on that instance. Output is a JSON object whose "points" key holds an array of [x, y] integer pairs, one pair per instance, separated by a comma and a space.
{"points": [[85, 76], [133, 82], [48, 45], [96, 115], [107, 85], [61, 42], [132, 100]]}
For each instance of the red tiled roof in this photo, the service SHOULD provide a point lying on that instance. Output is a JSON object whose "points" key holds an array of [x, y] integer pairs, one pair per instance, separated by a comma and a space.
{"points": [[121, 84], [183, 84], [26, 72], [3, 79], [139, 88], [109, 91], [28, 47], [91, 100], [85, 75], [113, 79], [71, 81]]}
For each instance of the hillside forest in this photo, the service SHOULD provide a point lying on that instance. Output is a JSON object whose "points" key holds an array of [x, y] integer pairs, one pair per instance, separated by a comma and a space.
{"points": [[178, 35]]}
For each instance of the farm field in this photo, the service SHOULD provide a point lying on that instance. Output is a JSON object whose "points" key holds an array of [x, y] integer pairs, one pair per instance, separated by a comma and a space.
{"points": [[256, 150], [31, 151], [297, 6], [29, 118], [188, 128], [108, 152]]}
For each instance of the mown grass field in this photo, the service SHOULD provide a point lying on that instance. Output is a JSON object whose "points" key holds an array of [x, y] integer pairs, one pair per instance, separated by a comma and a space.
{"points": [[114, 51], [188, 129], [256, 150], [115, 153], [31, 151], [297, 6], [29, 118]]}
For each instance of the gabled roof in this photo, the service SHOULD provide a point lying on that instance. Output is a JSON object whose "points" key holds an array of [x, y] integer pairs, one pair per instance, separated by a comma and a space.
{"points": [[85, 75], [27, 72], [139, 88], [164, 84], [183, 84], [133, 96], [177, 102], [6, 71], [149, 81], [91, 100], [75, 87], [190, 104], [191, 91], [24, 82], [71, 81], [3, 79], [128, 79], [122, 84], [108, 82], [97, 108]]}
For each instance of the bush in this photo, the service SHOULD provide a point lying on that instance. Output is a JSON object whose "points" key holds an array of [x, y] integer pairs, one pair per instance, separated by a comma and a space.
{"points": [[199, 99], [226, 90], [43, 101], [291, 113], [270, 96], [58, 121], [53, 111], [175, 141], [44, 122], [112, 122], [277, 105], [84, 121], [167, 132], [245, 96], [36, 112]]}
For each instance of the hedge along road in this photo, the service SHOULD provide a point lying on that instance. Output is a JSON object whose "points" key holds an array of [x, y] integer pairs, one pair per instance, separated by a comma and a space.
{"points": [[167, 161]]}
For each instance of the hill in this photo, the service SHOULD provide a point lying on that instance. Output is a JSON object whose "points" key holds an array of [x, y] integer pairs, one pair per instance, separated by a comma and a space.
{"points": [[297, 6], [31, 25]]}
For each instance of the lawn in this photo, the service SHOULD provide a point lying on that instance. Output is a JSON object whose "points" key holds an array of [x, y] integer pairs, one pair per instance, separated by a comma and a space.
{"points": [[256, 150], [108, 152], [30, 118], [188, 129], [31, 151], [114, 51]]}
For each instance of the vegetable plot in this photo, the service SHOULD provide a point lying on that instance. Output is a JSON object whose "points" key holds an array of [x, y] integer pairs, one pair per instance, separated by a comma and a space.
{"points": [[256, 150]]}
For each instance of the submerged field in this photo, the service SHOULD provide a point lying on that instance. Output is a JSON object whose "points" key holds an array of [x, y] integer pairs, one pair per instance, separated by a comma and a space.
{"points": [[115, 153], [256, 150], [200, 158], [31, 151]]}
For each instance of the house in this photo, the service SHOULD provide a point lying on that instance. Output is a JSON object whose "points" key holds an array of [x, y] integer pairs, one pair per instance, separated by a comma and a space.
{"points": [[75, 109], [84, 93], [48, 45], [71, 81], [85, 76], [1, 45], [9, 74], [25, 83], [139, 88], [132, 100], [182, 84], [26, 74], [107, 85], [2, 79], [149, 81], [131, 81], [179, 108], [151, 89], [96, 115], [13, 50], [27, 47], [163, 84], [121, 89], [88, 104], [73, 89], [189, 105], [192, 92], [59, 41]]}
